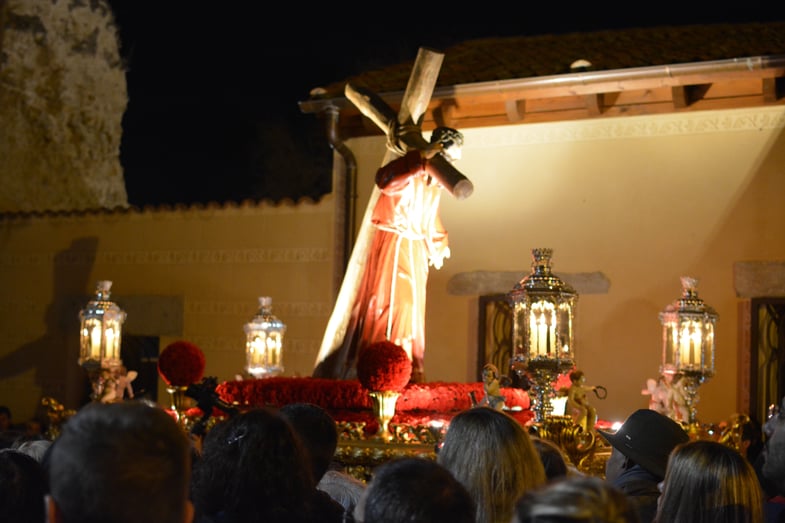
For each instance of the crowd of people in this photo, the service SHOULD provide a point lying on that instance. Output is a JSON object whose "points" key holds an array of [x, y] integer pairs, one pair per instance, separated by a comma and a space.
{"points": [[130, 461]]}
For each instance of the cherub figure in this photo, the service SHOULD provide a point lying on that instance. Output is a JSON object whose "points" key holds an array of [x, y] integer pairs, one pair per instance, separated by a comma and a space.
{"points": [[578, 407], [116, 384], [491, 385], [667, 395]]}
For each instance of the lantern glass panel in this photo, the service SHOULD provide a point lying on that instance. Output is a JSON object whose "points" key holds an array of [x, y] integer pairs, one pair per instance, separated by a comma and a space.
{"points": [[101, 329], [264, 342]]}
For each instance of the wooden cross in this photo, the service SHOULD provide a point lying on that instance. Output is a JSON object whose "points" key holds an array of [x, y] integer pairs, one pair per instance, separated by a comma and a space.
{"points": [[404, 132]]}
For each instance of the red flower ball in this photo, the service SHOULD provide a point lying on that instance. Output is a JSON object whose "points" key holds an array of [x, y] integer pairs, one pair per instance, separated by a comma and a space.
{"points": [[384, 366], [181, 364]]}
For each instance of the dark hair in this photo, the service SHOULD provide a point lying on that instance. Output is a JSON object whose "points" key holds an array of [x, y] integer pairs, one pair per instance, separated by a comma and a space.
{"points": [[708, 482], [121, 463], [317, 430], [552, 457], [773, 468], [415, 489], [576, 499], [253, 467], [22, 488]]}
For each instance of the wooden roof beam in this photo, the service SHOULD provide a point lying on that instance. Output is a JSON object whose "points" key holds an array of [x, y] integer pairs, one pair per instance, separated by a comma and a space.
{"points": [[445, 114], [773, 89], [594, 103], [515, 109], [686, 95]]}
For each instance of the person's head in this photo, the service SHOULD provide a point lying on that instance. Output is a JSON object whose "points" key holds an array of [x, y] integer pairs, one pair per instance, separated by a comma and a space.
{"points": [[578, 499], [414, 489], [22, 488], [252, 465], [552, 456], [119, 463], [451, 141], [317, 430], [5, 418], [36, 448], [646, 438], [773, 469], [708, 482], [492, 455]]}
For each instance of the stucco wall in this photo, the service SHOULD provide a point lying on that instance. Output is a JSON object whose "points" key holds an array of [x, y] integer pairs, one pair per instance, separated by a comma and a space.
{"points": [[193, 274], [643, 200]]}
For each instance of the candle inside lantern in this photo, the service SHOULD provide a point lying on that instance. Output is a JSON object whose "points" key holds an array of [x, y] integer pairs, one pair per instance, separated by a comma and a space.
{"points": [[542, 339], [533, 349], [685, 358], [273, 349], [111, 344], [95, 342], [552, 335], [257, 350]]}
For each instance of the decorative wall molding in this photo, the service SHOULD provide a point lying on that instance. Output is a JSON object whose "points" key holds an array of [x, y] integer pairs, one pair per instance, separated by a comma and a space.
{"points": [[648, 126], [500, 282], [759, 279], [169, 257]]}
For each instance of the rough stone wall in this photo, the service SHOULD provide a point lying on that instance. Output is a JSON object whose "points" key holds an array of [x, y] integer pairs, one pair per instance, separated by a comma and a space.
{"points": [[62, 98]]}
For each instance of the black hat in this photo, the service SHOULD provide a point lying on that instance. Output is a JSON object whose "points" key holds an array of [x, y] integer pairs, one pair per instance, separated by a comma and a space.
{"points": [[647, 438]]}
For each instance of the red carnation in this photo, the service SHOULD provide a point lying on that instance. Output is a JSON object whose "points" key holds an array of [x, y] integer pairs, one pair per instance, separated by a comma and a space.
{"points": [[384, 366], [181, 364]]}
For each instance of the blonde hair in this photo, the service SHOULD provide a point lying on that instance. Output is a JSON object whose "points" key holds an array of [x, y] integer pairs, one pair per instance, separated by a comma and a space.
{"points": [[492, 455]]}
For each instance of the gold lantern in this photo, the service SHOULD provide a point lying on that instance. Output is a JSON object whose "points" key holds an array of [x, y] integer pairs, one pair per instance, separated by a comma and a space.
{"points": [[100, 338], [543, 312], [264, 342], [688, 342]]}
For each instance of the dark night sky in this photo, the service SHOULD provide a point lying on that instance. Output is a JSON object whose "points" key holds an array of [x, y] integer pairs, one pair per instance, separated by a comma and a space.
{"points": [[212, 112]]}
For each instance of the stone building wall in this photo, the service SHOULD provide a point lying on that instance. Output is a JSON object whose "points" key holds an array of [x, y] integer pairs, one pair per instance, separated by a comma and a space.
{"points": [[62, 98]]}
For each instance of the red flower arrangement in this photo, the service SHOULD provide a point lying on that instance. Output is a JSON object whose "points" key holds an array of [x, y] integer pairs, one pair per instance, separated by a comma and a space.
{"points": [[347, 400], [181, 364], [384, 366]]}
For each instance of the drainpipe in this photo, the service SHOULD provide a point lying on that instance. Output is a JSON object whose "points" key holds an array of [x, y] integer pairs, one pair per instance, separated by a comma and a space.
{"points": [[345, 191]]}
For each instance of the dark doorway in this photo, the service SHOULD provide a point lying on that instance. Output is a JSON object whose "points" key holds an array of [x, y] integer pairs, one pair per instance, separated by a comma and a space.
{"points": [[140, 353], [767, 355]]}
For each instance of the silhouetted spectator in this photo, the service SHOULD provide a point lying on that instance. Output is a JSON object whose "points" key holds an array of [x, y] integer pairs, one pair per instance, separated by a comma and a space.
{"points": [[254, 467], [709, 482], [414, 490], [124, 462], [554, 461], [316, 428], [577, 499], [492, 455], [8, 432], [773, 468], [640, 455], [22, 488]]}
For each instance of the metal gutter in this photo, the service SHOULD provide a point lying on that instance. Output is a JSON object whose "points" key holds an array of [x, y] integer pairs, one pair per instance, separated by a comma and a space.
{"points": [[581, 79]]}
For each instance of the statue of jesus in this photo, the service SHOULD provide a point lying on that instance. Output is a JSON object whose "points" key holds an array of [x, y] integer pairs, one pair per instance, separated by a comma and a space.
{"points": [[408, 239]]}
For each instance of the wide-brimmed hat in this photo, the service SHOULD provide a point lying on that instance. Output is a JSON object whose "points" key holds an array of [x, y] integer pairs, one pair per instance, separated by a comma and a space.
{"points": [[647, 438]]}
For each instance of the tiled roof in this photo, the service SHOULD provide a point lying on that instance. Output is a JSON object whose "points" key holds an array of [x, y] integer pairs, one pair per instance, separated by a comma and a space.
{"points": [[490, 59]]}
